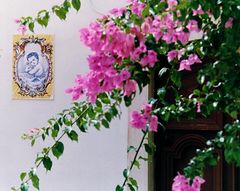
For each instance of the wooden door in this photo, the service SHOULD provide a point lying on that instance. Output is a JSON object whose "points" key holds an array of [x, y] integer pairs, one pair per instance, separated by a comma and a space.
{"points": [[178, 144]]}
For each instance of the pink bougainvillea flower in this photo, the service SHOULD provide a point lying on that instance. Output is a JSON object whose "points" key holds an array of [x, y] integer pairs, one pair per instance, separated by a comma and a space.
{"points": [[150, 59], [135, 55], [22, 29], [182, 36], [172, 4], [181, 183], [147, 109], [193, 26], [138, 121], [199, 107], [229, 23], [146, 26], [17, 21], [199, 11], [184, 65], [172, 55], [137, 8], [125, 75], [153, 123], [130, 87], [197, 182], [118, 12], [193, 58], [34, 130], [181, 52]]}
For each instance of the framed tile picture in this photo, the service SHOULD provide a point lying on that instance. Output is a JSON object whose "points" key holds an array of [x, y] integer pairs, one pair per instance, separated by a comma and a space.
{"points": [[33, 66]]}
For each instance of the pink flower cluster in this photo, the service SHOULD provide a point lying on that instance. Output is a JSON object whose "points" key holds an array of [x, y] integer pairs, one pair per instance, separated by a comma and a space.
{"points": [[139, 120], [167, 29], [185, 63], [198, 11], [22, 29], [137, 8], [110, 46], [181, 183]]}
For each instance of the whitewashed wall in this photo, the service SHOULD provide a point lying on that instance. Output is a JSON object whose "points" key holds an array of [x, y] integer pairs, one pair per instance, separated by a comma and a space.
{"points": [[96, 163]]}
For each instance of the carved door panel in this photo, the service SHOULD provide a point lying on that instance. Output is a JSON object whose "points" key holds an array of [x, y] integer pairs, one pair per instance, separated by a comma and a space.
{"points": [[178, 144]]}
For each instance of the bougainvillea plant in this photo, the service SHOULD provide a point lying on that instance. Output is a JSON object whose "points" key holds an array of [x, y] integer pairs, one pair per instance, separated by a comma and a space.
{"points": [[128, 46]]}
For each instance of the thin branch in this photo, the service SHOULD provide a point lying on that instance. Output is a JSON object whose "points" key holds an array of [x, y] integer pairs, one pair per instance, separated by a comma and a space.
{"points": [[50, 148], [136, 155]]}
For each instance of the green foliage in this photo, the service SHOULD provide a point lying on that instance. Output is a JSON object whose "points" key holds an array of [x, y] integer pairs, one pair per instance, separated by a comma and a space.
{"points": [[43, 16], [34, 178], [73, 135], [76, 4], [24, 187], [119, 188], [58, 149], [47, 163]]}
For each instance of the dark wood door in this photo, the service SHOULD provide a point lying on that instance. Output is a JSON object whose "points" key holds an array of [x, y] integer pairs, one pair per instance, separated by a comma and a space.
{"points": [[178, 144]]}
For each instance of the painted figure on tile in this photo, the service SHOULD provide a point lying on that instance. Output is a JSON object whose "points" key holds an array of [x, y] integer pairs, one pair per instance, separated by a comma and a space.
{"points": [[33, 67]]}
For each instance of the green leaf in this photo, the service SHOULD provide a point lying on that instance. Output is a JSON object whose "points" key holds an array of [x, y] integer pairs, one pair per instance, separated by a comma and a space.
{"points": [[127, 100], [76, 4], [133, 182], [234, 114], [67, 121], [131, 148], [43, 21], [145, 11], [105, 123], [58, 149], [91, 113], [161, 93], [148, 149], [114, 111], [82, 125], [131, 187], [126, 173], [162, 71], [137, 164], [61, 13], [24, 187], [47, 163], [22, 176], [73, 136], [66, 5], [105, 99], [56, 126], [35, 180], [144, 158], [212, 161], [151, 144], [31, 26], [119, 188], [33, 142], [108, 116], [176, 78], [97, 125], [98, 103]]}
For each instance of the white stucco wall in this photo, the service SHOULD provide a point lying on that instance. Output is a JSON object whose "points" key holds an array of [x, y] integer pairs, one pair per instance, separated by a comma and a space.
{"points": [[96, 163]]}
